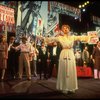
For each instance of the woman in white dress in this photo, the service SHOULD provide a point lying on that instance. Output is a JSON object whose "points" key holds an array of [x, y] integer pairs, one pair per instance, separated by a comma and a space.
{"points": [[67, 74]]}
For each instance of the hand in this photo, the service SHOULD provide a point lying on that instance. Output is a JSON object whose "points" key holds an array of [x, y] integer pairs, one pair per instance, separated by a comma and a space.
{"points": [[48, 60], [5, 57], [13, 47], [84, 62], [39, 60], [93, 61], [93, 36]]}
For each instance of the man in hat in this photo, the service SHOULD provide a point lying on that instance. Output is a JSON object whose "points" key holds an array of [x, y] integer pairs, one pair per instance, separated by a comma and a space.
{"points": [[25, 52]]}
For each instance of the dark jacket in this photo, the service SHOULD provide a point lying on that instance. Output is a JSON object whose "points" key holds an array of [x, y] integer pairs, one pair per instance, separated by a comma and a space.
{"points": [[96, 57]]}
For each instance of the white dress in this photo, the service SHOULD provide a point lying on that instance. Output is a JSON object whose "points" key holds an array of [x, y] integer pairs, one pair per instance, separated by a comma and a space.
{"points": [[67, 75]]}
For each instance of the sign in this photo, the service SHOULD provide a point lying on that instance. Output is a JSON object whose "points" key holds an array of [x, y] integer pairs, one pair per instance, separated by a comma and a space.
{"points": [[95, 37], [7, 16]]}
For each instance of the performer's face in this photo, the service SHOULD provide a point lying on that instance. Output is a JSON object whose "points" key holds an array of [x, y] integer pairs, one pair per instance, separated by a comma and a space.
{"points": [[98, 44], [12, 40], [86, 48], [55, 44], [24, 41], [65, 29], [43, 44], [4, 39]]}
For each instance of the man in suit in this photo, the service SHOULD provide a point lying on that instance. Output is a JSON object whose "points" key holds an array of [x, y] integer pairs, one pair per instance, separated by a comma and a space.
{"points": [[54, 52], [13, 57], [42, 60], [85, 56], [96, 58]]}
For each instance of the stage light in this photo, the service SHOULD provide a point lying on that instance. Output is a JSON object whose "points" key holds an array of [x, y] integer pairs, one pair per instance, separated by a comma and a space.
{"points": [[83, 10], [83, 5], [87, 2], [80, 6], [76, 17]]}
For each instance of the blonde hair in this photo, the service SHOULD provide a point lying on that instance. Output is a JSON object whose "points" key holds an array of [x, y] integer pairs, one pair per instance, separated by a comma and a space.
{"points": [[65, 26]]}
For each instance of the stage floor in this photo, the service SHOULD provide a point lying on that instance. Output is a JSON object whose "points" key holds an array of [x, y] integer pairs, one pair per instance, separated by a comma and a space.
{"points": [[46, 89]]}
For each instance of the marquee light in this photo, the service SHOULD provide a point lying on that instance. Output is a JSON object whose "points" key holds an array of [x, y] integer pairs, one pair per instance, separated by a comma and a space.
{"points": [[84, 4]]}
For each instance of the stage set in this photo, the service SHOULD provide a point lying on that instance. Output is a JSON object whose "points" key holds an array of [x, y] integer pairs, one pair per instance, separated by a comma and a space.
{"points": [[36, 18]]}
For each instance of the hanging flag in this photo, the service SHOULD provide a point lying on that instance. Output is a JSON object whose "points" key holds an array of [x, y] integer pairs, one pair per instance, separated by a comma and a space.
{"points": [[39, 30], [19, 14]]}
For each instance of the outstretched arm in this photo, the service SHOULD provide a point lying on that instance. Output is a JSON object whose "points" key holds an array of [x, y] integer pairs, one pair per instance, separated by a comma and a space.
{"points": [[51, 39], [83, 38], [48, 39]]}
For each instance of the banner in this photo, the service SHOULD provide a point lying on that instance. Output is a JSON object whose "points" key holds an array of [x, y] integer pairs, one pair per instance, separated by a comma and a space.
{"points": [[7, 16], [30, 18], [53, 21], [65, 9]]}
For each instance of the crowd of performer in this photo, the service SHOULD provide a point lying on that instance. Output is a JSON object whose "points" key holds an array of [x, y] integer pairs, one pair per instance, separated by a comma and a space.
{"points": [[17, 59], [27, 58]]}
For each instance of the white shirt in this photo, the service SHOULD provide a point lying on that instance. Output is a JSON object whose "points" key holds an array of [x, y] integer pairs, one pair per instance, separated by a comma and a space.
{"points": [[54, 50], [35, 52], [77, 55], [25, 47], [43, 49]]}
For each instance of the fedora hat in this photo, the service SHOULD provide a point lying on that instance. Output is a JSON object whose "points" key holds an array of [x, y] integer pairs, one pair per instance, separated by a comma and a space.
{"points": [[23, 38]]}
